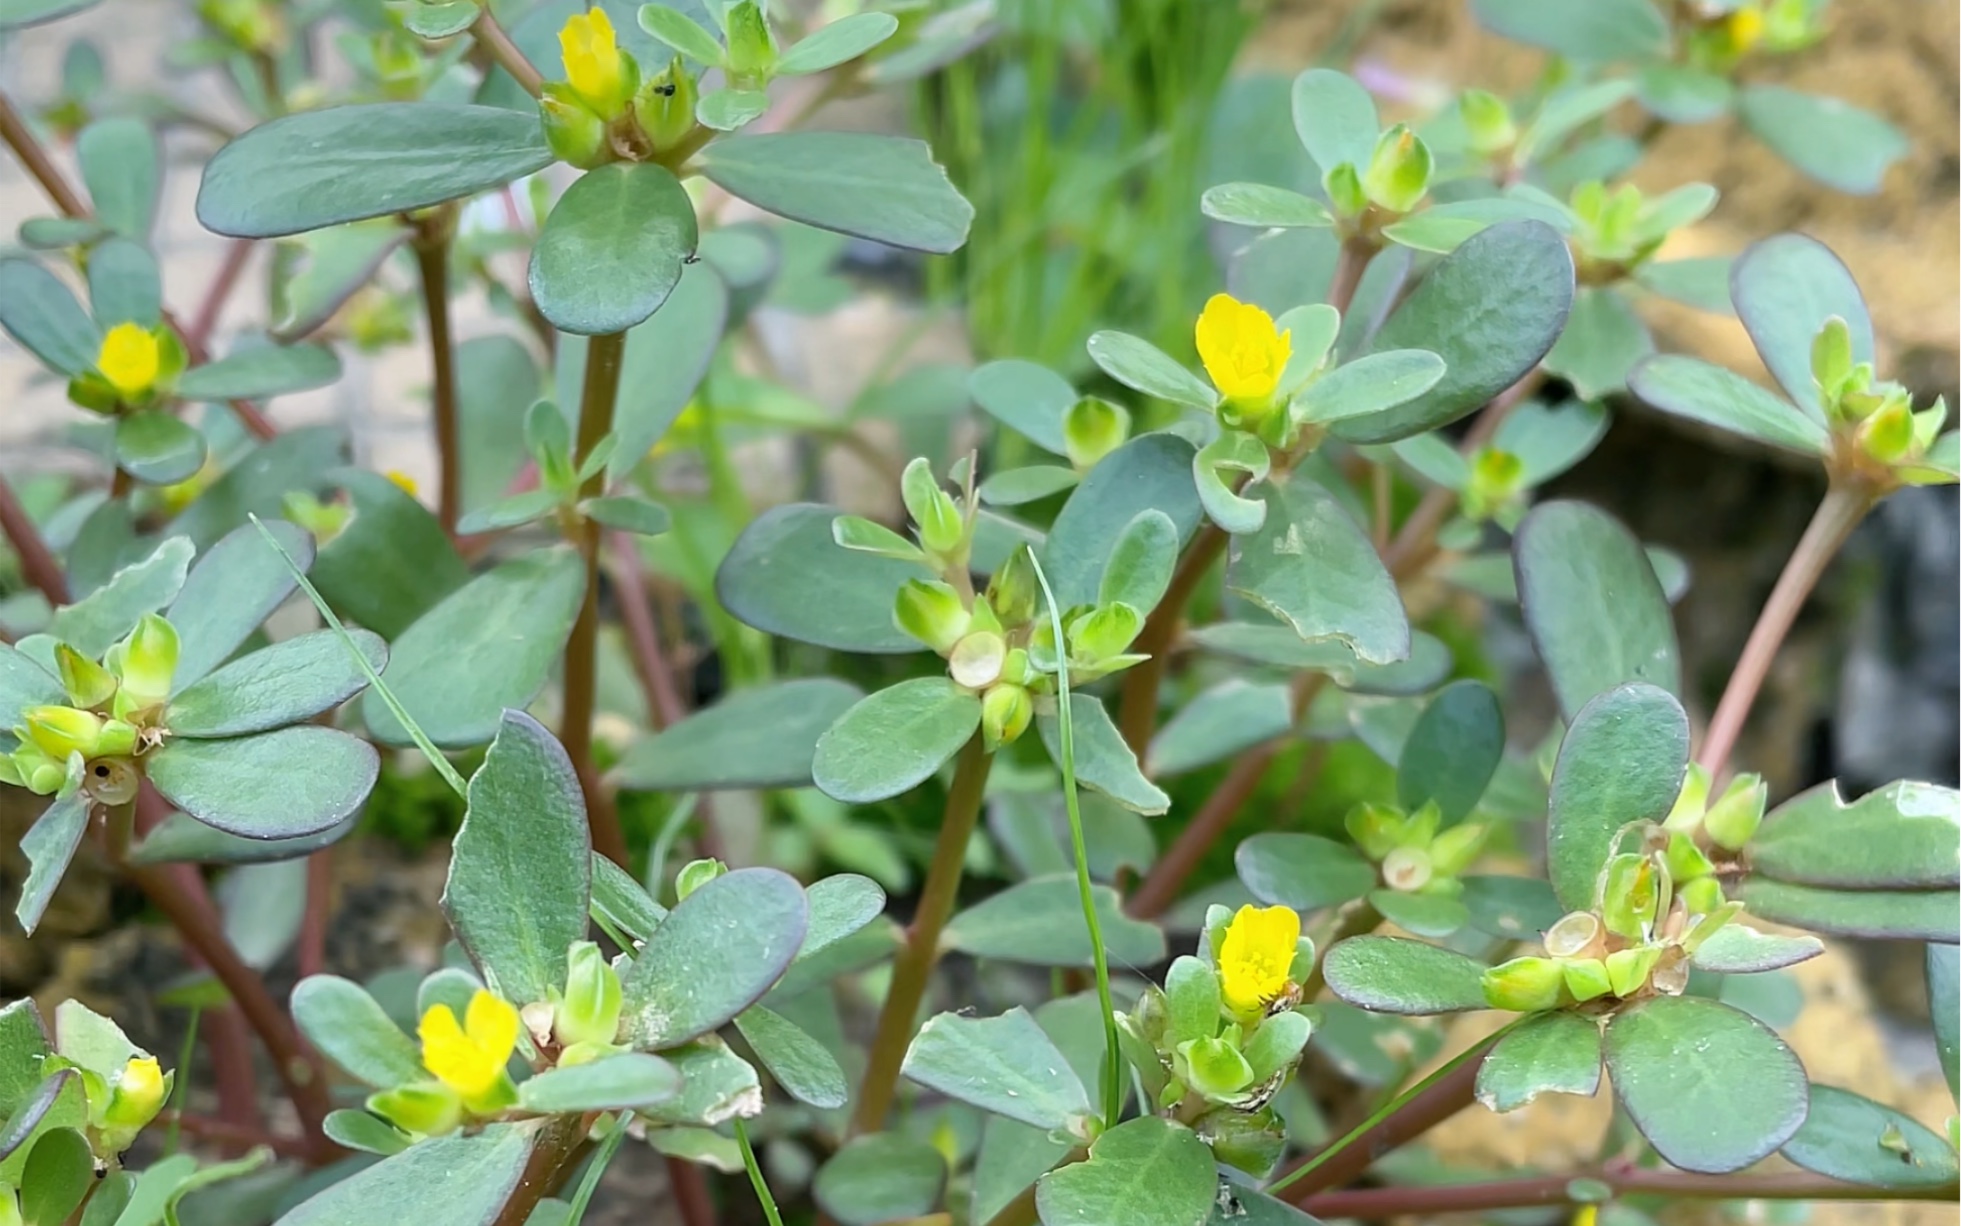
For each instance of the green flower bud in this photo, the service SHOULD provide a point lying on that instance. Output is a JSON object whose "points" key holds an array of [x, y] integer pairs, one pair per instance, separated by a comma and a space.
{"points": [[752, 46], [425, 1108], [1487, 122], [1376, 829], [1013, 592], [1249, 1141], [1453, 851], [118, 739], [1344, 187], [1702, 895], [1214, 1067], [664, 106], [1831, 358], [695, 874], [1628, 969], [1586, 978], [9, 1208], [1091, 429], [34, 770], [1006, 711], [148, 661], [1495, 480], [60, 731], [1630, 897], [1735, 817], [1407, 869], [931, 612], [1685, 861], [1690, 801], [134, 1100], [941, 528], [576, 135], [88, 683], [1399, 171], [590, 1011], [1015, 668], [1887, 435], [1104, 632], [975, 661], [1523, 985]]}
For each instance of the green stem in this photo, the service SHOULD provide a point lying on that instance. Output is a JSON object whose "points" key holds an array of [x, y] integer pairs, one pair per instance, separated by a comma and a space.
{"points": [[914, 965], [1381, 1204], [1066, 736], [604, 356], [755, 1176]]}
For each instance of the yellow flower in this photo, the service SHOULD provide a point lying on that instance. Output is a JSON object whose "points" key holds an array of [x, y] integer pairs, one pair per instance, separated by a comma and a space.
{"points": [[139, 1092], [1243, 351], [470, 1058], [1745, 28], [592, 61], [1256, 956], [403, 481], [129, 359]]}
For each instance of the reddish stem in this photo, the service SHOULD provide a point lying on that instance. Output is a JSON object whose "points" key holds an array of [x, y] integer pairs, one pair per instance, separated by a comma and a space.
{"points": [[1378, 1204], [311, 954], [233, 1137], [431, 246], [36, 563], [206, 320], [20, 138]]}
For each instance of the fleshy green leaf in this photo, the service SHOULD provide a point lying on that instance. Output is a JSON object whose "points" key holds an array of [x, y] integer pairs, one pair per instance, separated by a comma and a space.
{"points": [[520, 873], [717, 1085], [1785, 288], [613, 248], [628, 1081], [1944, 1000], [1595, 610], [38, 310], [125, 285], [1906, 835], [837, 42], [1921, 915], [1827, 138], [349, 1027], [805, 1068], [393, 563], [1138, 364], [319, 168], [1373, 383], [119, 160], [1425, 915], [363, 1133], [1428, 664], [879, 187], [1151, 471], [1712, 1089], [1335, 119], [1004, 1065], [283, 784], [894, 739], [1103, 762], [17, 14], [1040, 922], [761, 737], [1302, 871], [1688, 387], [1622, 761], [93, 624], [1738, 949], [1256, 204], [1453, 750], [275, 686], [1491, 309], [1392, 975], [1312, 566], [1552, 1053], [1028, 398], [1849, 1136], [786, 575], [462, 1179], [1016, 486], [840, 905], [1231, 717], [1681, 94], [1601, 31], [486, 647], [157, 448], [714, 955], [1144, 1172], [59, 1170], [49, 846], [885, 1177], [1701, 282], [1603, 340], [254, 372]]}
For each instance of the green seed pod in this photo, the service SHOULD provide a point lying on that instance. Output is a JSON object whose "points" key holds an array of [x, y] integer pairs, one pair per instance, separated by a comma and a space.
{"points": [[1487, 122], [1215, 1068], [60, 731], [931, 612], [664, 106], [1735, 817], [752, 45], [576, 136], [1006, 711], [148, 661], [975, 661], [1628, 969], [1524, 985], [1399, 171], [1831, 358], [590, 1010], [1091, 429], [1586, 978], [1249, 1141]]}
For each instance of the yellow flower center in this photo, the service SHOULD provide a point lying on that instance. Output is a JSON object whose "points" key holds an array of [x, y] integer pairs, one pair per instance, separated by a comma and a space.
{"points": [[469, 1058], [129, 359], [592, 61], [1244, 353], [1257, 956]]}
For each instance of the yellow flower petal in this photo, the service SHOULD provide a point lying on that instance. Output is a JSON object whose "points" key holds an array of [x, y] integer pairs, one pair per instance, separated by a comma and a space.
{"points": [[1243, 352], [1257, 956], [129, 359], [592, 61], [492, 1025], [469, 1058]]}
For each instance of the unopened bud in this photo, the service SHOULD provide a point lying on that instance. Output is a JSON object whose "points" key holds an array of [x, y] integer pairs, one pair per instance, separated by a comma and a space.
{"points": [[60, 731], [117, 740], [1453, 851], [1093, 428], [1487, 121], [1523, 985], [1376, 829], [1702, 895], [9, 1208], [1012, 592], [1690, 801], [1735, 817], [1628, 969], [1005, 714], [931, 612], [1214, 1067], [575, 135], [134, 1101], [1686, 862], [1887, 435], [426, 1108], [1831, 357], [148, 661], [590, 1012], [1629, 896], [941, 528], [1586, 978], [1343, 183], [752, 46], [1399, 171], [665, 106], [695, 874], [1104, 632], [88, 683]]}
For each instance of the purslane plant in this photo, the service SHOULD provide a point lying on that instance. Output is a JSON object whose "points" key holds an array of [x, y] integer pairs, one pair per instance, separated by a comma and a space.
{"points": [[1216, 562]]}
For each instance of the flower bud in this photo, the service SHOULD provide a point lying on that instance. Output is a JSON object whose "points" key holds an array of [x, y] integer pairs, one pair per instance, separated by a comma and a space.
{"points": [[1887, 435], [598, 72], [1249, 1141], [1690, 801], [1586, 978], [752, 46], [1376, 829], [425, 1108], [1523, 985], [1495, 480], [941, 528], [1012, 592], [695, 874], [1214, 1067], [1487, 121], [1630, 897], [60, 731], [1104, 632], [9, 1208], [975, 661], [931, 612], [1734, 818], [1344, 187], [1686, 862], [148, 662], [88, 683], [1453, 851], [1831, 358], [1407, 869], [1702, 895], [1091, 429], [1005, 714], [590, 1011], [1399, 171], [134, 1101], [574, 133], [664, 106], [1628, 969], [34, 770], [117, 739]]}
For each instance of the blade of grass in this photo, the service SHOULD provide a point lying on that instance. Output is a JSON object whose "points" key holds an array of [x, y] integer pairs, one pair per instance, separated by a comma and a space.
{"points": [[394, 705], [596, 1169], [1066, 740], [756, 1175], [180, 1090]]}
